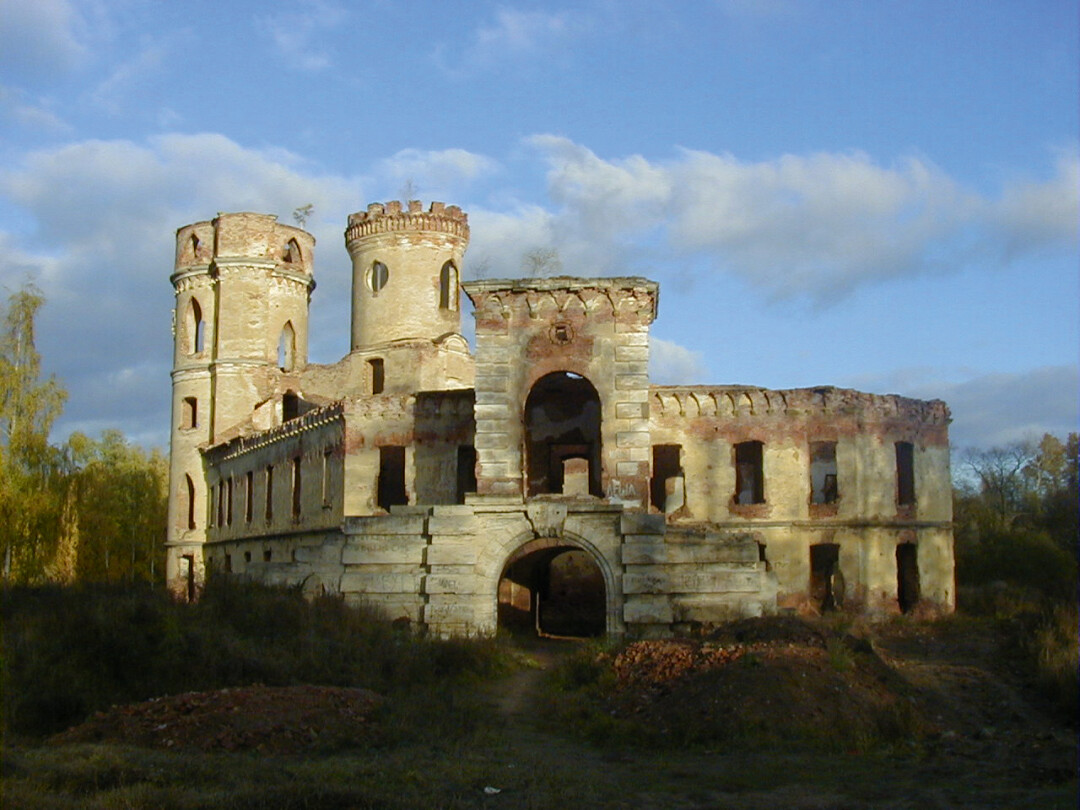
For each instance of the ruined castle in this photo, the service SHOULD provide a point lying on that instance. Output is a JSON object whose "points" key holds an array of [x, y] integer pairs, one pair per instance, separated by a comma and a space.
{"points": [[538, 481]]}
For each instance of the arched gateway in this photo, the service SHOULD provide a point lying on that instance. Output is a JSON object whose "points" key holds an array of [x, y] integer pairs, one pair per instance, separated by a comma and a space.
{"points": [[557, 586]]}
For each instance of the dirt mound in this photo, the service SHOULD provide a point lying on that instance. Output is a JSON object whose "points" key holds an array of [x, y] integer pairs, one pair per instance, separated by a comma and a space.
{"points": [[768, 629], [784, 683], [280, 720]]}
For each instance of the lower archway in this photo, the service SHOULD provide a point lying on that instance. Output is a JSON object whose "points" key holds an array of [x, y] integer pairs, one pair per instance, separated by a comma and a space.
{"points": [[551, 587]]}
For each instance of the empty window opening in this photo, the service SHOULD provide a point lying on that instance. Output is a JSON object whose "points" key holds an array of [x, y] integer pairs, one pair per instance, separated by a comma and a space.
{"points": [[554, 590], [228, 501], [749, 473], [763, 557], [228, 563], [247, 556], [195, 244], [562, 420], [391, 483], [823, 484], [296, 488], [221, 504], [905, 473], [826, 581], [907, 576], [292, 252], [286, 352], [448, 287], [189, 502], [377, 277], [268, 555], [666, 465], [187, 573], [212, 503], [189, 413], [195, 328], [269, 493], [327, 491], [377, 373], [249, 496], [290, 406], [466, 471]]}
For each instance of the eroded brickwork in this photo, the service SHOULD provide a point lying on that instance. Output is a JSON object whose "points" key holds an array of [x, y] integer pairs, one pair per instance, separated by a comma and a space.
{"points": [[541, 483]]}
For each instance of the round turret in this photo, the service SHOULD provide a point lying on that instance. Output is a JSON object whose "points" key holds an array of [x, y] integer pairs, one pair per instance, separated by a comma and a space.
{"points": [[406, 271]]}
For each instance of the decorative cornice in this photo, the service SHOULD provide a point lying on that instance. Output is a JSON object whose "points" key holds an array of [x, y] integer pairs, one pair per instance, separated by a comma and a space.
{"points": [[391, 218], [312, 420], [746, 401]]}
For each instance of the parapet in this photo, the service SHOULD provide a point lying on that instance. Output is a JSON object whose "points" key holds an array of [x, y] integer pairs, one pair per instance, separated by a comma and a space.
{"points": [[736, 401], [244, 235], [393, 216]]}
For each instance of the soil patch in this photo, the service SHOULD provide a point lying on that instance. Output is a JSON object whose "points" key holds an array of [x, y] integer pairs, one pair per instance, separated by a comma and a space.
{"points": [[281, 720]]}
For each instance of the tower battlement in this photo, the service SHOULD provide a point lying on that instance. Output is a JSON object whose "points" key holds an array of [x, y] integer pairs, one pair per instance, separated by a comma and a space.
{"points": [[244, 235], [393, 216]]}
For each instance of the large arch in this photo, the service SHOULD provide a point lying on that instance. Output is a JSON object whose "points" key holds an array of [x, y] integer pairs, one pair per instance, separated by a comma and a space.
{"points": [[557, 586], [562, 421]]}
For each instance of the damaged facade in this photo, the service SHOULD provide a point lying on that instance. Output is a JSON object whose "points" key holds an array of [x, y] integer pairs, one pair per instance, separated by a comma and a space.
{"points": [[540, 481]]}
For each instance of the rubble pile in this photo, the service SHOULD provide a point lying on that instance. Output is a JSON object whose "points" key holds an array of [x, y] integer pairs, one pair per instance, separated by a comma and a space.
{"points": [[286, 719]]}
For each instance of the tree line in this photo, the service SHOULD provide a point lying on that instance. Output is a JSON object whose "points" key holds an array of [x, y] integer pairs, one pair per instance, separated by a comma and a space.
{"points": [[91, 510]]}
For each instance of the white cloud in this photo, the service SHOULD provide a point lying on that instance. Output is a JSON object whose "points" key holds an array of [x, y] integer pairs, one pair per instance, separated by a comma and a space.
{"points": [[813, 226], [436, 174], [101, 250], [1032, 213], [515, 35], [299, 35], [672, 364], [499, 239], [995, 409]]}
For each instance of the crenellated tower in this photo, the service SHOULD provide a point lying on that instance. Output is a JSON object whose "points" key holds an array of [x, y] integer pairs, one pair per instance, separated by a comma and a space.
{"points": [[243, 283], [406, 314]]}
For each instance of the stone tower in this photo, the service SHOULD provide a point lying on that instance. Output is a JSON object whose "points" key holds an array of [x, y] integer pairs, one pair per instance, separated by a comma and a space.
{"points": [[243, 283], [406, 317]]}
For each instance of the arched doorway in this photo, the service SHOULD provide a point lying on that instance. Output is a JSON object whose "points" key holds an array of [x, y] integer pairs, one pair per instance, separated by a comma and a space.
{"points": [[562, 422], [552, 587]]}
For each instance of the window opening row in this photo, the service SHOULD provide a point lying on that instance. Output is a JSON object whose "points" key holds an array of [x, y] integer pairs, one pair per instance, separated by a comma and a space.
{"points": [[221, 505], [378, 276], [750, 474]]}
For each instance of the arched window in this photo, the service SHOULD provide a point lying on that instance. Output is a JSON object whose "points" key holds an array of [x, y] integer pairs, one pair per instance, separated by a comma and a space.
{"points": [[378, 276], [292, 252], [195, 328], [287, 348], [189, 503], [562, 421], [448, 287]]}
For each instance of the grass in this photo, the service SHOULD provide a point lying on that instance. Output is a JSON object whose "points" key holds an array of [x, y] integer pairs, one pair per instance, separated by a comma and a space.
{"points": [[440, 744], [70, 652]]}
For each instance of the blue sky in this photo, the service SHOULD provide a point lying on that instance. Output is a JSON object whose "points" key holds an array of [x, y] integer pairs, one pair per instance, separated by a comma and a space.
{"points": [[880, 195]]}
